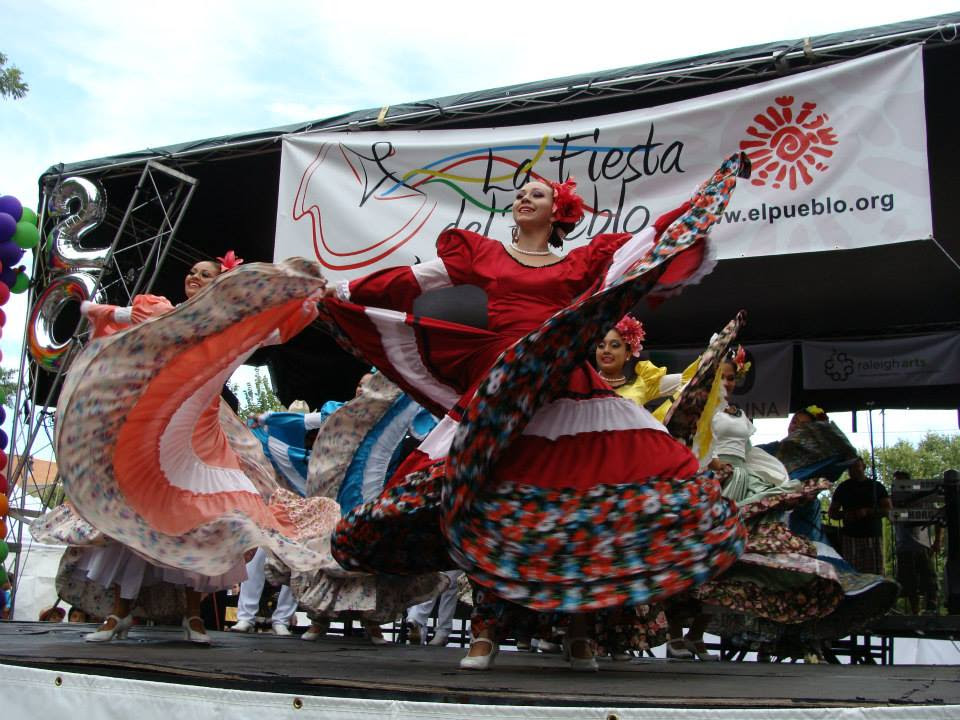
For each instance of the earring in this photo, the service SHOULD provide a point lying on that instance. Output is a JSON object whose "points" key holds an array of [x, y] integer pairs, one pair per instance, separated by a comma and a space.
{"points": [[515, 233]]}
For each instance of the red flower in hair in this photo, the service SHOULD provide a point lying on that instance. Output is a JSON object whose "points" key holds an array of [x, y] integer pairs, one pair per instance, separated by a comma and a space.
{"points": [[567, 205], [229, 261], [631, 330]]}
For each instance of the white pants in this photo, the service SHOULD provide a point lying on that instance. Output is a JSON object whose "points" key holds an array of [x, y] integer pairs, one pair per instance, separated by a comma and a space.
{"points": [[250, 590], [448, 606]]}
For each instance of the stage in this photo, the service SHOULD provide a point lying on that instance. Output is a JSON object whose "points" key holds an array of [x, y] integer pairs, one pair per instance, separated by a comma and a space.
{"points": [[51, 661]]}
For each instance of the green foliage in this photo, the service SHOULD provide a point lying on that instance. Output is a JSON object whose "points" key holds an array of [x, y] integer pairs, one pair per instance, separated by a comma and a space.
{"points": [[11, 80], [932, 455], [256, 397], [8, 386]]}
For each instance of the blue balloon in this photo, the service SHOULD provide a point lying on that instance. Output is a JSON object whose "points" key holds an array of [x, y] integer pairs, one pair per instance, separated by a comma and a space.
{"points": [[3, 415], [3, 440], [6, 228], [8, 276]]}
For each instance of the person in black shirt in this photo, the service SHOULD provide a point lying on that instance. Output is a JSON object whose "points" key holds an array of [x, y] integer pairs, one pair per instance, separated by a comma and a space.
{"points": [[861, 503]]}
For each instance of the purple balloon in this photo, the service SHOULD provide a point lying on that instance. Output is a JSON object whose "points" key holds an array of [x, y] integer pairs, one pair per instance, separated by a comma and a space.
{"points": [[6, 223], [10, 254], [8, 276], [3, 415], [10, 205]]}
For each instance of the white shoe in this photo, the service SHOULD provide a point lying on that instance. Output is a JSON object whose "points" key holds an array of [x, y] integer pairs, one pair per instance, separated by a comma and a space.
{"points": [[281, 629], [315, 632], [480, 662], [375, 633], [440, 638], [121, 626], [201, 638], [243, 626]]}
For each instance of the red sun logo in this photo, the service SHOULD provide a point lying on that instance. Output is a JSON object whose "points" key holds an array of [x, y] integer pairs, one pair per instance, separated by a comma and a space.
{"points": [[787, 149]]}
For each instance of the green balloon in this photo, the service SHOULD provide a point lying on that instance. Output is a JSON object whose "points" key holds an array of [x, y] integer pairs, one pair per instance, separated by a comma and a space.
{"points": [[29, 216], [4, 551], [21, 283], [27, 236], [3, 574]]}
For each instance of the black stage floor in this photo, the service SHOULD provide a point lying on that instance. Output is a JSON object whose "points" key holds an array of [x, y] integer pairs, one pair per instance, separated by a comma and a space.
{"points": [[352, 667]]}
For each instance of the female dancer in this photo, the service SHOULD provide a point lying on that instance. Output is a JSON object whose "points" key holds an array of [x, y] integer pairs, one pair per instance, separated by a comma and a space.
{"points": [[557, 494], [104, 439]]}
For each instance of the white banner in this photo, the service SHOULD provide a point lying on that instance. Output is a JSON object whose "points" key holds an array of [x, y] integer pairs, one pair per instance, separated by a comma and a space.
{"points": [[765, 390], [839, 158], [844, 364]]}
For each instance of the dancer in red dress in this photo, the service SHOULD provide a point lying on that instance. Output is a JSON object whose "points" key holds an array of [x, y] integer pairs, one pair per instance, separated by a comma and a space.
{"points": [[557, 494]]}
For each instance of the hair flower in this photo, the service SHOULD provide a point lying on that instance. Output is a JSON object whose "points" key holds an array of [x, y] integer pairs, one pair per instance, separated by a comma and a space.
{"points": [[631, 330], [567, 204], [229, 261]]}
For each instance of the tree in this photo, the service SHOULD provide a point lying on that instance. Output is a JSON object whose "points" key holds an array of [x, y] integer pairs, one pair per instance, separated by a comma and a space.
{"points": [[8, 386], [256, 397], [11, 80], [932, 455]]}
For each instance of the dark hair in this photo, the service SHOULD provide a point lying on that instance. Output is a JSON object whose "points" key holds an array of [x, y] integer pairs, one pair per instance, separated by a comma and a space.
{"points": [[902, 474], [559, 232]]}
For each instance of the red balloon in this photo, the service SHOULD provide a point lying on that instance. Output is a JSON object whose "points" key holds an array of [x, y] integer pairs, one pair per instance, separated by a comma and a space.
{"points": [[3, 484], [3, 318], [3, 460], [4, 294]]}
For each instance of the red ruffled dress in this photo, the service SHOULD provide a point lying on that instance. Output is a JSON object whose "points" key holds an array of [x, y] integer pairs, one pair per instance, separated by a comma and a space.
{"points": [[540, 481]]}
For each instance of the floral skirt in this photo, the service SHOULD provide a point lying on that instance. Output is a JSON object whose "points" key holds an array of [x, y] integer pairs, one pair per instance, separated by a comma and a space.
{"points": [[631, 537]]}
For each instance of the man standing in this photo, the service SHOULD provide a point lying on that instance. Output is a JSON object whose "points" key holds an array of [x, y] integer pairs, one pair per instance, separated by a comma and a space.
{"points": [[861, 503]]}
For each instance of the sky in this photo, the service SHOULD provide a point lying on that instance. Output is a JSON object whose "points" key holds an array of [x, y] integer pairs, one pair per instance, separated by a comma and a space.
{"points": [[109, 77]]}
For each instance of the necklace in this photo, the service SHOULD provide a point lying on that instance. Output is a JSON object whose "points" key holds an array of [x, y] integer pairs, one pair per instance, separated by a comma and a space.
{"points": [[528, 252], [611, 381]]}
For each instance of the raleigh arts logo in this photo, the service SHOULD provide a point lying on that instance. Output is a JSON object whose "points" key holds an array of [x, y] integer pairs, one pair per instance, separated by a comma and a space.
{"points": [[839, 366], [787, 149]]}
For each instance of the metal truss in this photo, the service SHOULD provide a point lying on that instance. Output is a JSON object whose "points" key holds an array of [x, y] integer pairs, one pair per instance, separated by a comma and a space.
{"points": [[144, 236]]}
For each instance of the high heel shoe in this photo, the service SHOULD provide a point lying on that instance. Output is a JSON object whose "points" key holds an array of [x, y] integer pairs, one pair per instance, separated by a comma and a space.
{"points": [[480, 662], [584, 664], [699, 650], [677, 649], [194, 636], [121, 626]]}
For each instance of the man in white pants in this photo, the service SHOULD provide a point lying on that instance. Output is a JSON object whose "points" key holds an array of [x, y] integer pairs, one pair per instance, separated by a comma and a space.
{"points": [[418, 615], [249, 601]]}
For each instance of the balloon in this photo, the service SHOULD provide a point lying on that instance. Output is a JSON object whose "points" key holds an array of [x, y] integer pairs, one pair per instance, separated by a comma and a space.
{"points": [[47, 349], [3, 321], [3, 529], [8, 226], [27, 236], [10, 205], [3, 459], [67, 250], [21, 283], [4, 294], [8, 276], [3, 440], [29, 216], [4, 505], [10, 253], [4, 551], [3, 419], [3, 483], [3, 575]]}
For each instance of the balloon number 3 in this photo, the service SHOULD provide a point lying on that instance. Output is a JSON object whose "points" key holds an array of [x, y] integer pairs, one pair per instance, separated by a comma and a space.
{"points": [[79, 205]]}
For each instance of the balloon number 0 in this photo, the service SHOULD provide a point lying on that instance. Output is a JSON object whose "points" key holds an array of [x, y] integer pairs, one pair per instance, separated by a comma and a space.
{"points": [[81, 206]]}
